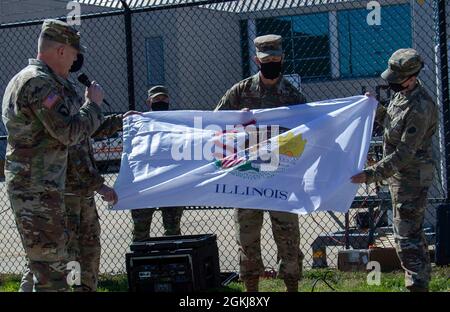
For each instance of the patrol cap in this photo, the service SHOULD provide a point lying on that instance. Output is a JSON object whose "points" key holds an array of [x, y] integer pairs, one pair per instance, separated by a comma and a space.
{"points": [[268, 45], [402, 64], [62, 32], [157, 90]]}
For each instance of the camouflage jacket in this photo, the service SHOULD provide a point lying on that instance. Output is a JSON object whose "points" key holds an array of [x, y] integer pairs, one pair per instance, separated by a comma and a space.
{"points": [[36, 113], [83, 176], [409, 123], [251, 93]]}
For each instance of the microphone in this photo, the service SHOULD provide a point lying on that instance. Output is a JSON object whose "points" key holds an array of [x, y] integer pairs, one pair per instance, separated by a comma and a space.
{"points": [[84, 80]]}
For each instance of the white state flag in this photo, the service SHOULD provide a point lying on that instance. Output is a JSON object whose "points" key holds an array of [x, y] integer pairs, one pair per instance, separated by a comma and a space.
{"points": [[295, 159]]}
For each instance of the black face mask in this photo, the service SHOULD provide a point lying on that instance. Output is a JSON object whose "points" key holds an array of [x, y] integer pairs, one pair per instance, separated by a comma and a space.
{"points": [[76, 66], [396, 87], [271, 70], [160, 106]]}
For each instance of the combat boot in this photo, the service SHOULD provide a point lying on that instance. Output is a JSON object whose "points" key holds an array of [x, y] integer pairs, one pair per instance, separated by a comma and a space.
{"points": [[300, 268], [417, 289], [251, 284], [291, 285]]}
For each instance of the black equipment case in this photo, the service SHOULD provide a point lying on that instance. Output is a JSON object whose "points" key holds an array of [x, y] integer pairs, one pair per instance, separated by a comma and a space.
{"points": [[174, 264]]}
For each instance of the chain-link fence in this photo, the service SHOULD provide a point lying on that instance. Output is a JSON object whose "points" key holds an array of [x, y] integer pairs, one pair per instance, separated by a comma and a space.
{"points": [[199, 49]]}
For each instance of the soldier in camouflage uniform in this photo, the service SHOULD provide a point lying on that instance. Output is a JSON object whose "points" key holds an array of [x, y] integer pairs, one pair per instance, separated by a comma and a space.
{"points": [[267, 89], [36, 112], [83, 180], [158, 100], [409, 121]]}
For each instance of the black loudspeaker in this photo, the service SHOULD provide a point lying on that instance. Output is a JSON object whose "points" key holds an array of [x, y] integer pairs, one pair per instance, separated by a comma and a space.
{"points": [[443, 234], [174, 264]]}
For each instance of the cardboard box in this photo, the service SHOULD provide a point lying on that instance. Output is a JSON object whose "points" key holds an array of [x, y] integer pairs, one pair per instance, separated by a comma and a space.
{"points": [[387, 257], [356, 260]]}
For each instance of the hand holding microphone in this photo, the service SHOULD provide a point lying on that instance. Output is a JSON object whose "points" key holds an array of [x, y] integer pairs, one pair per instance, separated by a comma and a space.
{"points": [[94, 91]]}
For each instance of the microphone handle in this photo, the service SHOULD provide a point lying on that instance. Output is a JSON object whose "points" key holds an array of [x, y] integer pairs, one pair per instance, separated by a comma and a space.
{"points": [[87, 84]]}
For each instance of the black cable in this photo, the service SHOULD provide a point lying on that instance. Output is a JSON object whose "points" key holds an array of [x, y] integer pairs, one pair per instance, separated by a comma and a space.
{"points": [[323, 279]]}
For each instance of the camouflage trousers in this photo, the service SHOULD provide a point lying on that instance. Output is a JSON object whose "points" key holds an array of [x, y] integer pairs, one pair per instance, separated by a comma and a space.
{"points": [[83, 245], [409, 201], [142, 220], [286, 233], [41, 222], [84, 238]]}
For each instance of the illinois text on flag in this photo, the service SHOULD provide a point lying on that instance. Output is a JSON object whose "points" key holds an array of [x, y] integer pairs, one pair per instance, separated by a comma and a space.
{"points": [[296, 159]]}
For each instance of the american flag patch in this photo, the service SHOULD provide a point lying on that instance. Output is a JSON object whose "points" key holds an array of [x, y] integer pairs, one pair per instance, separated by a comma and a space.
{"points": [[51, 100]]}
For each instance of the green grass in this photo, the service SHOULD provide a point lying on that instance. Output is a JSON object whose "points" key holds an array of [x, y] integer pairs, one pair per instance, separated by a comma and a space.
{"points": [[113, 283], [9, 282], [340, 281], [351, 282]]}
